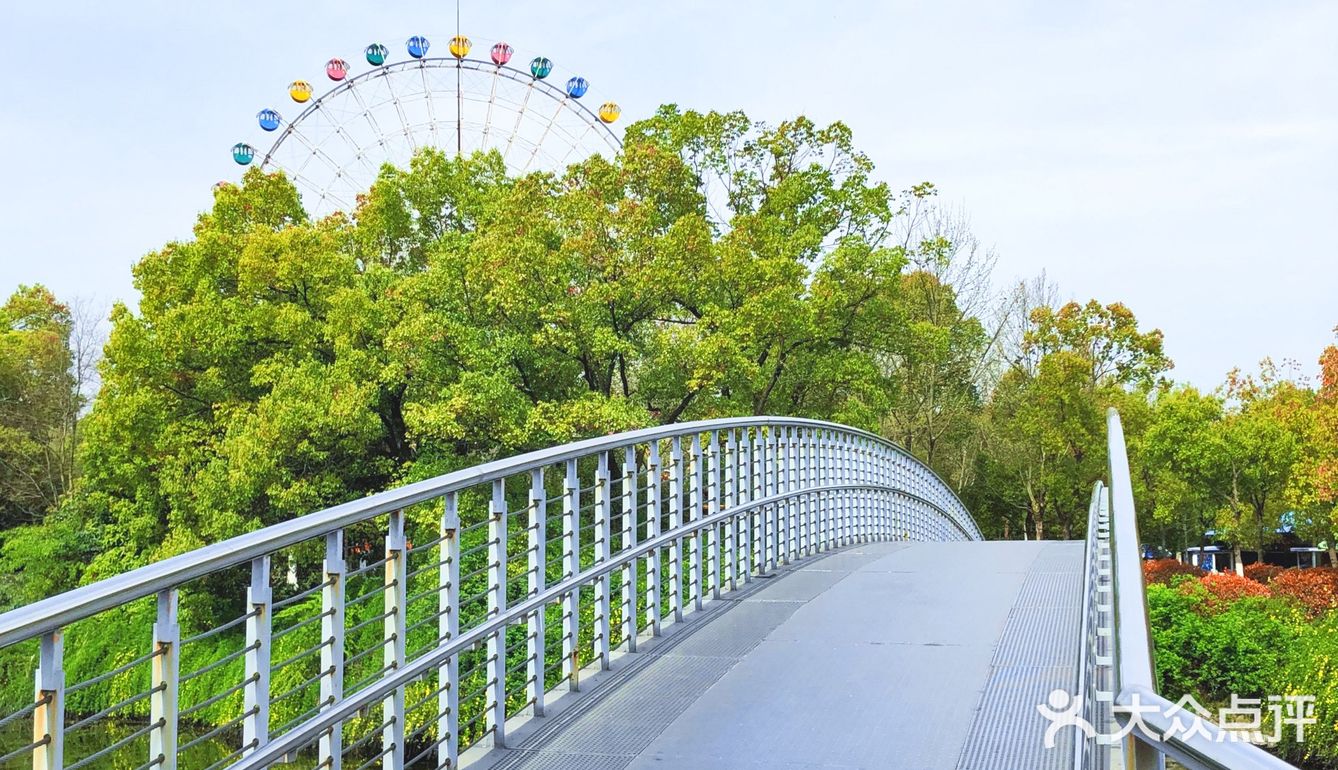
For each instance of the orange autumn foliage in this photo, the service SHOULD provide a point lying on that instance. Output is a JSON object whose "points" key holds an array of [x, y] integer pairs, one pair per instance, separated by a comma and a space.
{"points": [[1262, 573], [1162, 570], [1226, 587], [1314, 589]]}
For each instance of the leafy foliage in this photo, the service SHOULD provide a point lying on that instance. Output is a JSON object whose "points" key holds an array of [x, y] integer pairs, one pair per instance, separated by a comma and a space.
{"points": [[1165, 571]]}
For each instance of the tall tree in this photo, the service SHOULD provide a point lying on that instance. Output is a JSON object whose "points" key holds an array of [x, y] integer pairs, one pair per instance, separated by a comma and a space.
{"points": [[277, 365], [1047, 416], [939, 377], [40, 404]]}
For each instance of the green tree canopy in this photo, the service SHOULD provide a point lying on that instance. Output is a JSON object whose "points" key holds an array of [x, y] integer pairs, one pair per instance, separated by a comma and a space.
{"points": [[277, 365]]}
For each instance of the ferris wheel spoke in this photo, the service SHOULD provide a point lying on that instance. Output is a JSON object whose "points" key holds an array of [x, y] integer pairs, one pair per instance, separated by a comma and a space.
{"points": [[547, 129], [520, 116], [492, 97], [399, 110], [427, 97], [315, 152], [367, 113], [578, 143], [359, 154], [298, 177]]}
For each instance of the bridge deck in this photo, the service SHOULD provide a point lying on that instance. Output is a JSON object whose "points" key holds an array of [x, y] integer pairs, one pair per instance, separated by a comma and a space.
{"points": [[924, 655]]}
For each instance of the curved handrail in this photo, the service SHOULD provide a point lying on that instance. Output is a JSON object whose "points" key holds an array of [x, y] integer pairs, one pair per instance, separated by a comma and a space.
{"points": [[66, 608], [1132, 685], [304, 734], [700, 509]]}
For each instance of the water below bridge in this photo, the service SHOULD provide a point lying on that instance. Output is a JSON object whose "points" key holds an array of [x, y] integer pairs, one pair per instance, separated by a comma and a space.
{"points": [[884, 655]]}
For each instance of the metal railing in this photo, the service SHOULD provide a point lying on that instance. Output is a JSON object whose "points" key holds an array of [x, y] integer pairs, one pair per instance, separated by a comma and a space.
{"points": [[405, 627], [1116, 678]]}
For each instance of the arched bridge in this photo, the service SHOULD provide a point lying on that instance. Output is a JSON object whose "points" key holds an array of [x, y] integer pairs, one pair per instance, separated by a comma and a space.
{"points": [[759, 592]]}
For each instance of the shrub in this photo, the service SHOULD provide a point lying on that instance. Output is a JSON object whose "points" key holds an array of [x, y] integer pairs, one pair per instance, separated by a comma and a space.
{"points": [[1162, 571], [1310, 670], [1314, 589], [1225, 588], [1212, 647], [1262, 573]]}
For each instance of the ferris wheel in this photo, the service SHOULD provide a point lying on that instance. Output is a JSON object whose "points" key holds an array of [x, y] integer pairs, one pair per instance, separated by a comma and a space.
{"points": [[334, 146]]}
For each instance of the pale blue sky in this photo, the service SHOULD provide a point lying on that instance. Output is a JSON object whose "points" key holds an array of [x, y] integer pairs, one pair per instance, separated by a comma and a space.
{"points": [[1178, 156]]}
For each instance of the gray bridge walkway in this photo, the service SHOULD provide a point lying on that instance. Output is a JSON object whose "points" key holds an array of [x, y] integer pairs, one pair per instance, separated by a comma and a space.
{"points": [[884, 655]]}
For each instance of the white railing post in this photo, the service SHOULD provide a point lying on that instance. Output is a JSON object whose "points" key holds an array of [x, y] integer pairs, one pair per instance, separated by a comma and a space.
{"points": [[603, 536], [538, 564], [731, 500], [757, 520], [814, 509], [768, 530], [497, 526], [776, 544], [393, 641], [653, 508], [849, 530], [629, 532], [797, 466], [824, 517], [745, 496], [166, 667], [255, 694], [695, 503], [448, 626], [675, 522], [861, 500], [571, 554], [711, 535], [331, 744], [49, 718], [786, 485]]}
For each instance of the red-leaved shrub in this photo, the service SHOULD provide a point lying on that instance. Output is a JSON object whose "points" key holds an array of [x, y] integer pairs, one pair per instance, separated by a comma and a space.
{"points": [[1262, 573], [1314, 589], [1162, 570], [1226, 587]]}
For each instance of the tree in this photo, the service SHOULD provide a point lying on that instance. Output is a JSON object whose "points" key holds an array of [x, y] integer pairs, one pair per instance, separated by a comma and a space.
{"points": [[40, 404], [1047, 416], [1313, 484], [1226, 460], [939, 379], [1182, 450], [1257, 454], [278, 365]]}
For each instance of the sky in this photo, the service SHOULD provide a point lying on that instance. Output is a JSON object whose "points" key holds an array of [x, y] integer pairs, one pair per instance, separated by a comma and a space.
{"points": [[1179, 156]]}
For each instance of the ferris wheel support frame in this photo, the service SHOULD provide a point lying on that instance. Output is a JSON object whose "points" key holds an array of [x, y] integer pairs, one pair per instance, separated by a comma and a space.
{"points": [[558, 95]]}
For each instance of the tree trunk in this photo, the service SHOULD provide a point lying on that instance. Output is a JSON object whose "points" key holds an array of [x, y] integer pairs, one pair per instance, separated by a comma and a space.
{"points": [[1333, 554], [1235, 558]]}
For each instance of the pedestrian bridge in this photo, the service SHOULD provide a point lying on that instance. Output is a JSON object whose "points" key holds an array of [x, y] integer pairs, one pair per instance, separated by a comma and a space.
{"points": [[759, 592], [886, 654]]}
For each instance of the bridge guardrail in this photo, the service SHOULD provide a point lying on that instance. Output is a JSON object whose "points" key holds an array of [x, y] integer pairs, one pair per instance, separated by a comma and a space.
{"points": [[1117, 679], [486, 602]]}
